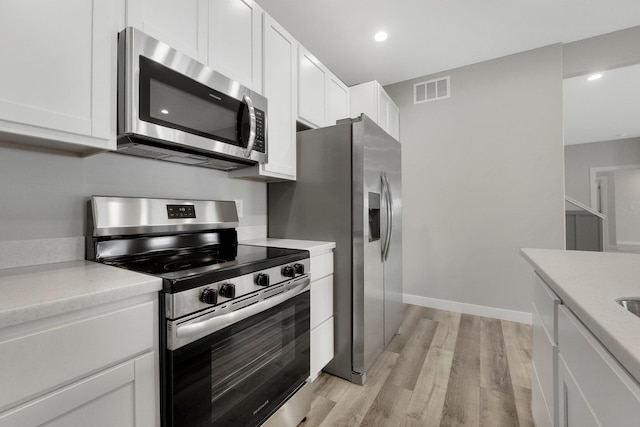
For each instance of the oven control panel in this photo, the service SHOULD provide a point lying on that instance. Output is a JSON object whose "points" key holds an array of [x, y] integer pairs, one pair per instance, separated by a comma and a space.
{"points": [[214, 294]]}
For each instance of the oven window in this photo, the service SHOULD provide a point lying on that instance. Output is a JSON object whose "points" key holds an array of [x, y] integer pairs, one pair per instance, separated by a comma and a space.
{"points": [[171, 99], [240, 375]]}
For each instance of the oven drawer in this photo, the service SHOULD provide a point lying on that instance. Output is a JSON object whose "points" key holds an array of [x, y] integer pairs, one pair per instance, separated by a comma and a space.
{"points": [[71, 350]]}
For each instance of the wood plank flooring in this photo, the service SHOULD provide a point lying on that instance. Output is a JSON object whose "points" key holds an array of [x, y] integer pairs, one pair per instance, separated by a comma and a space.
{"points": [[444, 369]]}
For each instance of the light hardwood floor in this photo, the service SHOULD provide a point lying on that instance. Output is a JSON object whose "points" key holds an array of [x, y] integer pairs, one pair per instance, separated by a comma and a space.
{"points": [[444, 369]]}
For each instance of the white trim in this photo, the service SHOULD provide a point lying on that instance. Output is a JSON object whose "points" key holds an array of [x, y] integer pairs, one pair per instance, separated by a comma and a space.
{"points": [[477, 310], [592, 179]]}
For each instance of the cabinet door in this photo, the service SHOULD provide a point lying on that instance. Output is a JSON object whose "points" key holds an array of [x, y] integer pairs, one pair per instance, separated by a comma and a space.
{"points": [[574, 410], [118, 396], [180, 24], [58, 78], [312, 77], [337, 97], [363, 98], [235, 41], [393, 114], [383, 109], [280, 89]]}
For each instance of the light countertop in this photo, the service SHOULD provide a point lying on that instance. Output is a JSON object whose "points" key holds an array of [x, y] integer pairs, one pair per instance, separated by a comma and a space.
{"points": [[589, 283], [314, 247], [30, 293]]}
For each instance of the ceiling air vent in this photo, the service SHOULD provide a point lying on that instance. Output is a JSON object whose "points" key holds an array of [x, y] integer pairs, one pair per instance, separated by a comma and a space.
{"points": [[431, 90]]}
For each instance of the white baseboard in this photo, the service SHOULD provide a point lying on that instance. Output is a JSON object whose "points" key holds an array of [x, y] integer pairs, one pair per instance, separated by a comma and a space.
{"points": [[477, 310]]}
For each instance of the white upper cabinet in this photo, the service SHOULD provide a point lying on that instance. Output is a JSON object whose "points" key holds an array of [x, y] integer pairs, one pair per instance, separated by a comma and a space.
{"points": [[371, 99], [180, 24], [280, 87], [337, 97], [312, 76], [59, 73], [235, 41], [322, 97]]}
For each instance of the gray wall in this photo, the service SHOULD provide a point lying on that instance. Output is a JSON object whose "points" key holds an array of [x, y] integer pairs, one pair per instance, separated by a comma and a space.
{"points": [[605, 52], [579, 158], [43, 193], [482, 178]]}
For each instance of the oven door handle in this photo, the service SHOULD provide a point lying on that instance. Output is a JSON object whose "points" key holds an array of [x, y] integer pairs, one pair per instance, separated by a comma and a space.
{"points": [[205, 327]]}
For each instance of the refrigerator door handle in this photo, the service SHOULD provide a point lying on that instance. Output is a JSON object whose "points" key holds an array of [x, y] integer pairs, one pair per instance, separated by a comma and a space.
{"points": [[385, 200], [389, 206]]}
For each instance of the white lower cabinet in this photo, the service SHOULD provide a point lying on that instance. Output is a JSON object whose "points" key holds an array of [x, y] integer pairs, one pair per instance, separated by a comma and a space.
{"points": [[594, 390], [322, 348], [544, 402], [575, 380], [95, 367]]}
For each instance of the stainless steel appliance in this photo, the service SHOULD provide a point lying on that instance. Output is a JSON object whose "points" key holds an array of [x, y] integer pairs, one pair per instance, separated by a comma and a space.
{"points": [[234, 318], [171, 107], [348, 190]]}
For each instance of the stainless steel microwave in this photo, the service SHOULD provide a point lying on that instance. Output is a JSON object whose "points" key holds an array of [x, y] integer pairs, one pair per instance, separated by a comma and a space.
{"points": [[171, 107]]}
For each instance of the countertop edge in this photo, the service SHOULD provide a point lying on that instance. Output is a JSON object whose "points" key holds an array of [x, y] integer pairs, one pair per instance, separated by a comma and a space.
{"points": [[609, 333], [83, 284]]}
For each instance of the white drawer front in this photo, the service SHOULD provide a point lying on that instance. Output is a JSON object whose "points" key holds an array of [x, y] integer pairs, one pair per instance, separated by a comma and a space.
{"points": [[547, 303], [321, 300], [321, 347], [612, 394], [545, 362], [321, 265], [42, 360], [539, 408]]}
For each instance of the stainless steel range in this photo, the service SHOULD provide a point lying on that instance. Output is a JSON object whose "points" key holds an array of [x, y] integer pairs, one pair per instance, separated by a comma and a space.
{"points": [[235, 324]]}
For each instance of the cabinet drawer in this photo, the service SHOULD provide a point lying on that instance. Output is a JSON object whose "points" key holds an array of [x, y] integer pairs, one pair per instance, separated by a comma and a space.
{"points": [[614, 397], [546, 303], [545, 365], [37, 362], [321, 265], [321, 300], [321, 347]]}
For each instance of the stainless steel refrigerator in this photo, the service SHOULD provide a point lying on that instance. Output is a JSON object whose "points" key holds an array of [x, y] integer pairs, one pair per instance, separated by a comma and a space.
{"points": [[348, 190]]}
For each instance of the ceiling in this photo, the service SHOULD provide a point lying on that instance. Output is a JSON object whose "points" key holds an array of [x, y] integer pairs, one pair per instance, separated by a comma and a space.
{"points": [[430, 36]]}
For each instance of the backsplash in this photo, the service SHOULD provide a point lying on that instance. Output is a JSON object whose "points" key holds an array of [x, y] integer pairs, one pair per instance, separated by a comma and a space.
{"points": [[44, 195]]}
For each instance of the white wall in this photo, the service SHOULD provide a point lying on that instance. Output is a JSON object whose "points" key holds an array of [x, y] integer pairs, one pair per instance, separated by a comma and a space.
{"points": [[482, 178], [43, 193]]}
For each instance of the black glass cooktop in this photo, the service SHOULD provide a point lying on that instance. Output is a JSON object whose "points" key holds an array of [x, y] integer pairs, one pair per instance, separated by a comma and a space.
{"points": [[185, 269]]}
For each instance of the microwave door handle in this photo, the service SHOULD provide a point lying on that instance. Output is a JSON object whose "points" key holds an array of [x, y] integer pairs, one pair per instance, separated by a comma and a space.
{"points": [[252, 125]]}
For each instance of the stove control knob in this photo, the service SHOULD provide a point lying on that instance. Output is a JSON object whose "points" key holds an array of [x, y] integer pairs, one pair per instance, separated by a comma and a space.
{"points": [[228, 290], [262, 279], [298, 268], [287, 271], [209, 296]]}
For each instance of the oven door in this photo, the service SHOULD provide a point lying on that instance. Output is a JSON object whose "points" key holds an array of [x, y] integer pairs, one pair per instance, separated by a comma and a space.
{"points": [[241, 374]]}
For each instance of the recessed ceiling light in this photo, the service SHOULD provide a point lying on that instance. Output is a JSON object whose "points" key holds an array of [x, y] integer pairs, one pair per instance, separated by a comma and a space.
{"points": [[594, 76], [164, 111], [380, 36]]}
